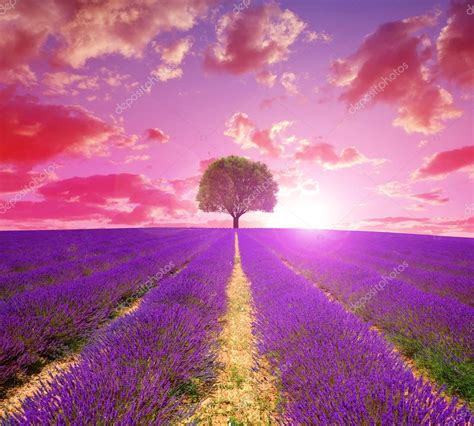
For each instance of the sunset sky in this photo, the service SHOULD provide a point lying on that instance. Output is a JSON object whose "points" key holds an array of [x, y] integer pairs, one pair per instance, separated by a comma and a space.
{"points": [[363, 110]]}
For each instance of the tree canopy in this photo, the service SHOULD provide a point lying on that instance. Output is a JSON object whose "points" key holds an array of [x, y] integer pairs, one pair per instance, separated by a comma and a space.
{"points": [[236, 185]]}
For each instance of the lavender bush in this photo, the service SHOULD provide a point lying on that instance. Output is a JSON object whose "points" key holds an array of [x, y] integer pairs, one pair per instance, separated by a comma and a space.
{"points": [[41, 324], [145, 365], [435, 331], [333, 368]]}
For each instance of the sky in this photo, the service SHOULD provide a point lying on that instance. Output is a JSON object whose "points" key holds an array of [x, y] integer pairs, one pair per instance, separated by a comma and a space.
{"points": [[111, 111]]}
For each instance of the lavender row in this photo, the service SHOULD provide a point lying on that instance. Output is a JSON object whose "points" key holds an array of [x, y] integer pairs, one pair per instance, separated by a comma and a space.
{"points": [[29, 250], [59, 272], [438, 254], [333, 369], [142, 368], [435, 331], [444, 284], [43, 323], [442, 265]]}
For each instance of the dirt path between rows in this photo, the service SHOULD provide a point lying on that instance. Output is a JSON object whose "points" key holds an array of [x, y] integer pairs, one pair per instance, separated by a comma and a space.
{"points": [[245, 391]]}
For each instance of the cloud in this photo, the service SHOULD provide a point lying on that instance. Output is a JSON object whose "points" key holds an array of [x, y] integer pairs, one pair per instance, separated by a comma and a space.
{"points": [[442, 163], [392, 66], [33, 133], [313, 36], [253, 39], [107, 199], [64, 83], [24, 32], [266, 78], [184, 186], [133, 158], [325, 154], [245, 133], [172, 57], [123, 27], [433, 197], [397, 189], [267, 103], [113, 78], [397, 219], [175, 53], [156, 135], [204, 164], [85, 30], [166, 72], [288, 81], [293, 179], [455, 46], [422, 225], [15, 180]]}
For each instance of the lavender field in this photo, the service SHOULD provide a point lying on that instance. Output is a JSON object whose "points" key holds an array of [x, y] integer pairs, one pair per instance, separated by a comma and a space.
{"points": [[146, 326]]}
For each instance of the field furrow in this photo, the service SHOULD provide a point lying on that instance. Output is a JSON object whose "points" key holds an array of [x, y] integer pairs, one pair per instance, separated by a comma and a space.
{"points": [[333, 369], [149, 365], [434, 331], [244, 391], [43, 324]]}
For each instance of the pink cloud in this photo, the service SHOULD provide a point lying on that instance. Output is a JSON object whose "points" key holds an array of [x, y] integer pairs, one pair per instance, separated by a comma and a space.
{"points": [[433, 197], [34, 133], [156, 135], [17, 180], [266, 78], [397, 219], [109, 199], [245, 133], [87, 30], [268, 103], [455, 46], [288, 81], [184, 186], [423, 225], [392, 66], [64, 83], [253, 39], [24, 34], [397, 189], [313, 36], [445, 162], [325, 154], [174, 53], [204, 164], [123, 27]]}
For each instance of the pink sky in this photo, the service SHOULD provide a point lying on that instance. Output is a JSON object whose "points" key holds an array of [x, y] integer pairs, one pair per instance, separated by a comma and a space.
{"points": [[110, 111]]}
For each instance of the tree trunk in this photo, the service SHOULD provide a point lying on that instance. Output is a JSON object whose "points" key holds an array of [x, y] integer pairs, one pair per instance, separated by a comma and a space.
{"points": [[236, 222]]}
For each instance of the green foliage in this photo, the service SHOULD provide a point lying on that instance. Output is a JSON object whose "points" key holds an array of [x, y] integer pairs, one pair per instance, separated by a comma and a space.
{"points": [[236, 377], [234, 422], [236, 185], [190, 389], [456, 375]]}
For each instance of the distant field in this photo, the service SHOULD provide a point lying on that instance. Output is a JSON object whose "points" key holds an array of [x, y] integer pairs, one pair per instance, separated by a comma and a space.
{"points": [[342, 327]]}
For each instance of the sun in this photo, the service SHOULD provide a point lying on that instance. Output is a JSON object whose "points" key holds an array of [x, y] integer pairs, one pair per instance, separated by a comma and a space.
{"points": [[308, 215]]}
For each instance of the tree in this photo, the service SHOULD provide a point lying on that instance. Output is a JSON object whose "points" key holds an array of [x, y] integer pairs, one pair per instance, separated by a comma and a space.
{"points": [[236, 186]]}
